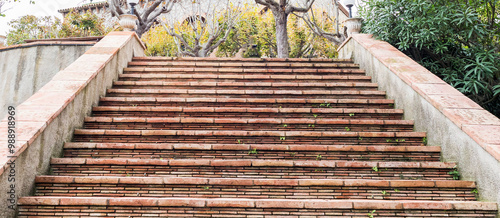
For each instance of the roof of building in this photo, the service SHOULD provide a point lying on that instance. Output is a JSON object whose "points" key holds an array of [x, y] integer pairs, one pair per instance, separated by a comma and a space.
{"points": [[85, 7]]}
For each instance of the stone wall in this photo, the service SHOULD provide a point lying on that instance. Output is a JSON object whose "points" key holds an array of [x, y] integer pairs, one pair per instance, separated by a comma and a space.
{"points": [[26, 68], [48, 118], [467, 134]]}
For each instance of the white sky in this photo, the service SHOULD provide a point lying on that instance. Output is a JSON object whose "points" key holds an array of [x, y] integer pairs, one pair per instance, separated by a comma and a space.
{"points": [[41, 8]]}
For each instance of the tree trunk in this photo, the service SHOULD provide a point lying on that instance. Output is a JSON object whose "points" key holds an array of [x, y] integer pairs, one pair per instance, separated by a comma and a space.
{"points": [[283, 47]]}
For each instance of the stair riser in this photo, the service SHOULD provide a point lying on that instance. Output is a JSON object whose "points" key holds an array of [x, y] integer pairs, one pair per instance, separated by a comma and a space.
{"points": [[240, 105], [261, 154], [379, 116], [127, 211], [236, 71], [254, 192], [252, 172], [319, 96], [390, 141], [209, 88], [197, 65], [228, 79], [230, 126]]}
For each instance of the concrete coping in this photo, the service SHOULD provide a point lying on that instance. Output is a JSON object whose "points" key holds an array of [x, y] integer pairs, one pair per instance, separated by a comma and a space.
{"points": [[479, 124], [35, 114], [48, 43]]}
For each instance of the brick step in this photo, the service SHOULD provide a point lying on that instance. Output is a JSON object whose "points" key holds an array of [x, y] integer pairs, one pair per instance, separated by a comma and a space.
{"points": [[231, 207], [235, 93], [259, 87], [254, 137], [201, 123], [242, 150], [268, 103], [247, 168], [232, 60], [245, 71], [256, 112], [254, 188], [197, 77], [246, 65]]}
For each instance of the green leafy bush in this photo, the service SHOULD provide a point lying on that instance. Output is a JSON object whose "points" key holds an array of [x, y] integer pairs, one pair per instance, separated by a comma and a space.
{"points": [[74, 25], [456, 40]]}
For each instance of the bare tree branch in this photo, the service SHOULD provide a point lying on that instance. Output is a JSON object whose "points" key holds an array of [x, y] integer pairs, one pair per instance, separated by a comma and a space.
{"points": [[206, 33], [147, 12]]}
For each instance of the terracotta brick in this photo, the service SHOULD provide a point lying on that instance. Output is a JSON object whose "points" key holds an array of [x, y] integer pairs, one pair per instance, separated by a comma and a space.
{"points": [[377, 205], [68, 161], [317, 164], [366, 183], [238, 203], [232, 163], [320, 182], [272, 163], [452, 184], [106, 161], [268, 203], [231, 181], [185, 180], [356, 164], [187, 162], [276, 182], [475, 206], [54, 179], [83, 201], [409, 205], [141, 180], [92, 179], [192, 146], [270, 147], [318, 204], [158, 132], [308, 147], [39, 201], [396, 183], [398, 165], [152, 202]]}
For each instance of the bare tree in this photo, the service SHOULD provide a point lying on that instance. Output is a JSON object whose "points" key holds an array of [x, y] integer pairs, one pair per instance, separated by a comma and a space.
{"points": [[207, 26], [281, 10], [316, 25], [147, 12]]}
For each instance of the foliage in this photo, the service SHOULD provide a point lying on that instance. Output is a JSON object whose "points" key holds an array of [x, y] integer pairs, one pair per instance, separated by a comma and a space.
{"points": [[87, 24], [208, 26], [256, 28], [456, 40], [74, 25], [32, 27], [159, 43]]}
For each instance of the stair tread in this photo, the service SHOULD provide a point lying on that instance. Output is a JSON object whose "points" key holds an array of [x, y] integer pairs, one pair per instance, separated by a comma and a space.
{"points": [[246, 84], [123, 119], [260, 203], [242, 59], [237, 109], [290, 133], [246, 147], [253, 162], [249, 181], [249, 77]]}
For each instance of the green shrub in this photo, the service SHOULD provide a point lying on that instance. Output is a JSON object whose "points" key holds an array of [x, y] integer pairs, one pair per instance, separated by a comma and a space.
{"points": [[456, 40]]}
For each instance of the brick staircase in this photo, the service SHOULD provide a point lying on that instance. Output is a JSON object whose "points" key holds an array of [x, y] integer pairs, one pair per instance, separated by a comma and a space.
{"points": [[249, 137]]}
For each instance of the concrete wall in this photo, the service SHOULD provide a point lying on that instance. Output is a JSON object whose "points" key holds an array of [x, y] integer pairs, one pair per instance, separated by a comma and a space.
{"points": [[48, 118], [468, 134], [26, 68]]}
